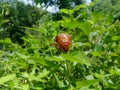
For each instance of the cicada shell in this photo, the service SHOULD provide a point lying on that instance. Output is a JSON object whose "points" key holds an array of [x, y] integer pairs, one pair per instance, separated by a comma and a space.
{"points": [[63, 42]]}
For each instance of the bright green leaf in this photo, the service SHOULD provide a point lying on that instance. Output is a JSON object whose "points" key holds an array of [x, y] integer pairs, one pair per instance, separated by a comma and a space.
{"points": [[25, 87], [7, 78], [86, 27], [22, 55], [55, 58], [77, 56], [87, 83], [60, 83], [66, 11]]}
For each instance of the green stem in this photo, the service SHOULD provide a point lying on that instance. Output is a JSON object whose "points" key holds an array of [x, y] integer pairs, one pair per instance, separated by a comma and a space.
{"points": [[68, 73]]}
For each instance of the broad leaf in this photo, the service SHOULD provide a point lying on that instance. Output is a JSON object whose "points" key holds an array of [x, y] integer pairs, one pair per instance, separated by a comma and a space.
{"points": [[55, 58], [85, 83], [77, 56], [60, 83], [86, 27], [7, 78]]}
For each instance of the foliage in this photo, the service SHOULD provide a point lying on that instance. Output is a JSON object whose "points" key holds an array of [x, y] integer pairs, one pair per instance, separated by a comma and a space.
{"points": [[60, 3], [108, 6], [92, 62], [18, 14]]}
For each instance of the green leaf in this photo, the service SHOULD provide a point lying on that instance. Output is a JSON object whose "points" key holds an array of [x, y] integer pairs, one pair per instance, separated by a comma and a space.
{"points": [[66, 11], [73, 24], [114, 38], [80, 6], [43, 74], [87, 83], [60, 83], [22, 55], [115, 71], [25, 87], [86, 27], [55, 58], [77, 56], [3, 21], [7, 78], [48, 61], [38, 59], [94, 53], [97, 17], [7, 40], [29, 28], [52, 64]]}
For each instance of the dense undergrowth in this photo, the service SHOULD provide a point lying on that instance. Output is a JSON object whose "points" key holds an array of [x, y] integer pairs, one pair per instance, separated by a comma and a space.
{"points": [[92, 62]]}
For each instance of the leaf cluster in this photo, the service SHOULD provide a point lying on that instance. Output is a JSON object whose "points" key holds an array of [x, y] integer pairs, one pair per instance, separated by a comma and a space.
{"points": [[92, 62]]}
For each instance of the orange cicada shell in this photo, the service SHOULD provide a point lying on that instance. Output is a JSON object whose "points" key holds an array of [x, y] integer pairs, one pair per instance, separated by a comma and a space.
{"points": [[63, 42]]}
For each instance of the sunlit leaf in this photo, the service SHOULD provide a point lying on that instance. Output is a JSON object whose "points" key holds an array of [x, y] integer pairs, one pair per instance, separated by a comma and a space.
{"points": [[115, 38], [25, 87], [3, 21], [43, 74], [55, 58], [87, 83], [66, 11], [7, 78], [21, 55], [77, 56], [60, 83], [96, 53], [79, 6], [86, 27], [7, 40]]}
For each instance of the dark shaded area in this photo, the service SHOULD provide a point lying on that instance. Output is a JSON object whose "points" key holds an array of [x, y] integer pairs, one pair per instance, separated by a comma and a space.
{"points": [[19, 15], [68, 4]]}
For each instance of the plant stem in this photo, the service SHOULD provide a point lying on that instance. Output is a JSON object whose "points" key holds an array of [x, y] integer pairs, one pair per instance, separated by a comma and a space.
{"points": [[68, 73]]}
